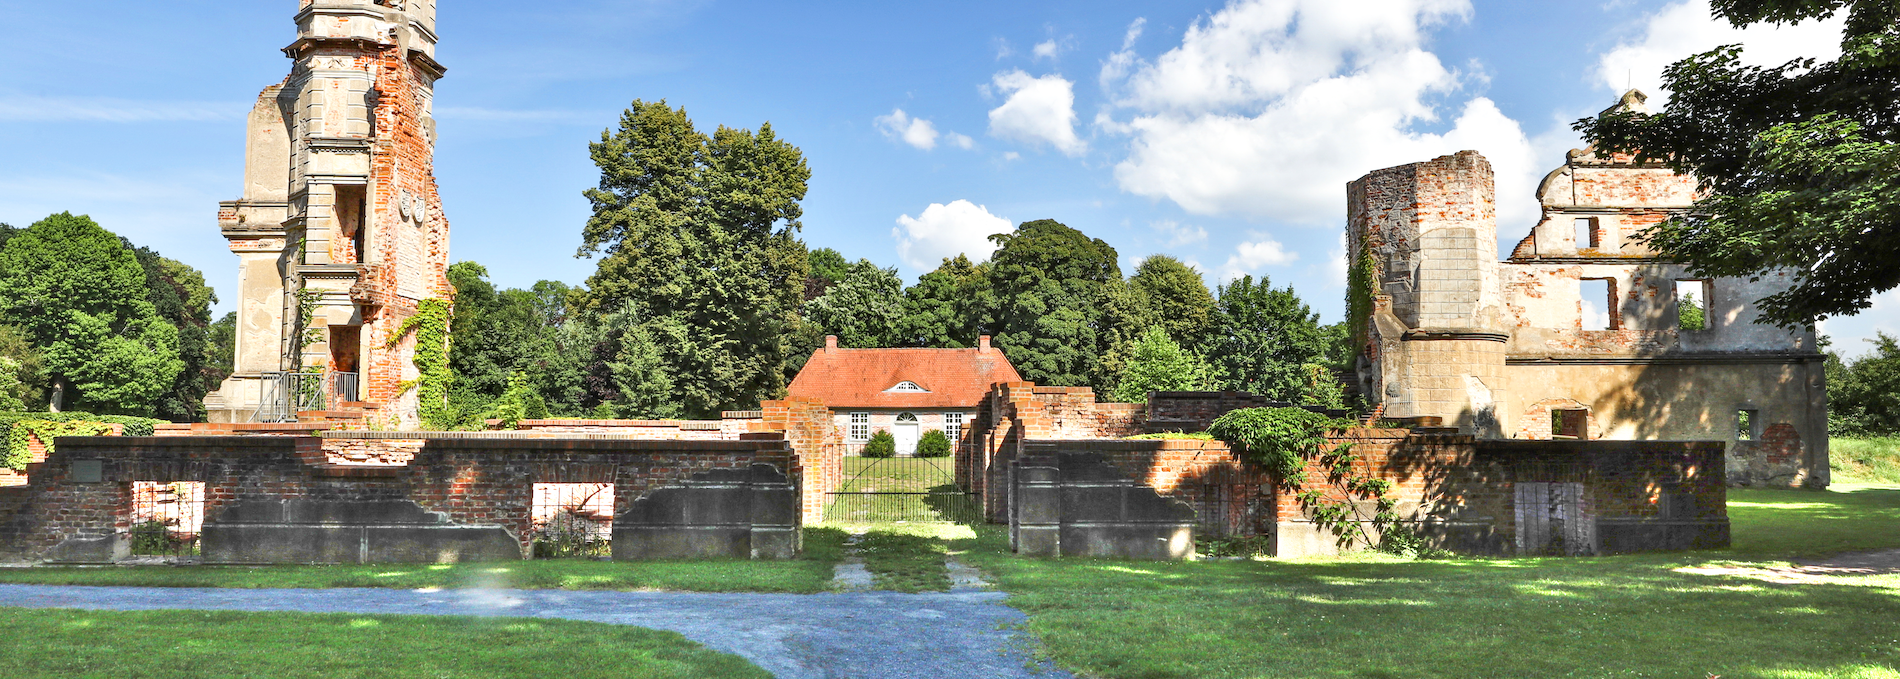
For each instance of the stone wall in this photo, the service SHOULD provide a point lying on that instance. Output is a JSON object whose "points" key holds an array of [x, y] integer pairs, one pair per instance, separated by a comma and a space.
{"points": [[648, 430], [281, 499]]}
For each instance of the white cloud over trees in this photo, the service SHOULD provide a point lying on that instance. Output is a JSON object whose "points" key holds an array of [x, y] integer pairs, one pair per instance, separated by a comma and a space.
{"points": [[945, 231], [1038, 110]]}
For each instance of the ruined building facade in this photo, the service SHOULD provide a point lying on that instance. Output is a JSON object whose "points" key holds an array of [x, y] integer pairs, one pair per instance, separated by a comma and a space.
{"points": [[340, 232], [1581, 332]]}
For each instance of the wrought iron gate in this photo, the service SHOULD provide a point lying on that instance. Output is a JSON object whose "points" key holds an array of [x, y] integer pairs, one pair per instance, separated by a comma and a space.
{"points": [[901, 489]]}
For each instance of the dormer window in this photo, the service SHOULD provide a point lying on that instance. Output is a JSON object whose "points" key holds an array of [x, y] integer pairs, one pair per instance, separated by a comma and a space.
{"points": [[907, 387]]}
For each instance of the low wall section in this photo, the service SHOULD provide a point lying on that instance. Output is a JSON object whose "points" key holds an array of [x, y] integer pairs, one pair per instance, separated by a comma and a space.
{"points": [[276, 499]]}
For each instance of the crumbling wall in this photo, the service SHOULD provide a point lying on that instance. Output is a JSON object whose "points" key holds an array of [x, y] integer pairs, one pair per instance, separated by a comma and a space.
{"points": [[280, 499]]}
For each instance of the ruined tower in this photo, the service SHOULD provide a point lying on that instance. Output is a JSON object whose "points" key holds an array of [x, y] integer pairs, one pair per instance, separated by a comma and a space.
{"points": [[1583, 332], [340, 232]]}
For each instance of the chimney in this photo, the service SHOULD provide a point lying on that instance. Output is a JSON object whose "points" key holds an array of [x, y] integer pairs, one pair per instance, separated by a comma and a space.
{"points": [[831, 343], [983, 344]]}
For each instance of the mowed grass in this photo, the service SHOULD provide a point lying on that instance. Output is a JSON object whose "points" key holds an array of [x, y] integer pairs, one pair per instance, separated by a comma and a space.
{"points": [[910, 557], [1374, 616], [811, 572], [191, 644], [1870, 460]]}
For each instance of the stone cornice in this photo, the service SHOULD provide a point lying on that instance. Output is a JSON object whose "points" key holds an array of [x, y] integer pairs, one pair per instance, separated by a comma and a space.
{"points": [[1466, 334], [1669, 359]]}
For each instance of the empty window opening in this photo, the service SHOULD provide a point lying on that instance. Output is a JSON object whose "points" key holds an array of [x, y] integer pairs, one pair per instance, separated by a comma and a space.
{"points": [[860, 427], [1573, 424], [1747, 424], [1692, 305], [1599, 303], [1588, 235], [166, 518], [572, 520], [352, 204]]}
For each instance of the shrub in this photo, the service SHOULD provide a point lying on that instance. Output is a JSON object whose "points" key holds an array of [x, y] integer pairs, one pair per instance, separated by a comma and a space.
{"points": [[15, 452], [1195, 436], [933, 444], [882, 444]]}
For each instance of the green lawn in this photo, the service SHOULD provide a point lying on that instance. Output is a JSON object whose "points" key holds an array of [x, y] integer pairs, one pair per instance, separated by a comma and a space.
{"points": [[1872, 460], [810, 573], [190, 644], [883, 490], [1379, 616]]}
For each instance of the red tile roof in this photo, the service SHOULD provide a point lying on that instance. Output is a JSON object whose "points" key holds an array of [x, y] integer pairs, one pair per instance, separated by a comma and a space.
{"points": [[858, 378]]}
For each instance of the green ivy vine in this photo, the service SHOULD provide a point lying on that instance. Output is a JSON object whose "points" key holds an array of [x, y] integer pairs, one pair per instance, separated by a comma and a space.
{"points": [[307, 334], [1289, 440], [431, 325], [1362, 286], [17, 454]]}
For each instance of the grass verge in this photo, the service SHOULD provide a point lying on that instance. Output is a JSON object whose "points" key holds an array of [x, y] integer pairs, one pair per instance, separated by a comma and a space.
{"points": [[909, 557], [168, 644], [1870, 460], [1371, 615], [809, 573]]}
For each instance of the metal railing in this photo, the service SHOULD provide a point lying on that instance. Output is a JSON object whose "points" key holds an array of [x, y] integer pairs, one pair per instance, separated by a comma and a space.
{"points": [[285, 393]]}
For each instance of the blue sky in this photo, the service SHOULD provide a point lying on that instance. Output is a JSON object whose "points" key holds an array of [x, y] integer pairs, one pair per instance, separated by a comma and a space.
{"points": [[1221, 133]]}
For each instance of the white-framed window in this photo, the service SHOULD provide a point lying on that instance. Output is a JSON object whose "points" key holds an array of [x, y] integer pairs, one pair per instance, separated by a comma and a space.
{"points": [[860, 429], [907, 387], [953, 427]]}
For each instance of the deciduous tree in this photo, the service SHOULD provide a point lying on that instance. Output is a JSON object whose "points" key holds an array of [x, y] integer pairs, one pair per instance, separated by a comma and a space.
{"points": [[1052, 285], [698, 234], [1262, 337], [81, 297], [1802, 160]]}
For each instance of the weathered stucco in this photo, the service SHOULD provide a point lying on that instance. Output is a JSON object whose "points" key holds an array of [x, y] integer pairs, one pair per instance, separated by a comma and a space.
{"points": [[340, 201], [1492, 347]]}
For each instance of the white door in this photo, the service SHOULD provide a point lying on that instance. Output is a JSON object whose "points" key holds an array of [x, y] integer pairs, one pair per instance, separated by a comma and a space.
{"points": [[906, 438]]}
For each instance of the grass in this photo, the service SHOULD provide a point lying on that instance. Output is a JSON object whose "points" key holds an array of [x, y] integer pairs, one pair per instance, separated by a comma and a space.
{"points": [[912, 488], [910, 557], [1796, 523], [810, 573], [1869, 460], [180, 644], [1375, 616]]}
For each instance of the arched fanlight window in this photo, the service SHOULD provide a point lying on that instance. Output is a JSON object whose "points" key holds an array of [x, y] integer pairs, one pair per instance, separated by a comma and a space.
{"points": [[908, 387], [904, 418]]}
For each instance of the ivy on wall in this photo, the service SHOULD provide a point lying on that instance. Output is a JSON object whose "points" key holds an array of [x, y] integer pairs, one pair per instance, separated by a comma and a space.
{"points": [[431, 325], [1287, 441], [17, 454], [1362, 285]]}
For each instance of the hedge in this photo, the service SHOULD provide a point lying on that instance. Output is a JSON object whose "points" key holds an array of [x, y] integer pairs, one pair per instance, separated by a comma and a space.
{"points": [[134, 426]]}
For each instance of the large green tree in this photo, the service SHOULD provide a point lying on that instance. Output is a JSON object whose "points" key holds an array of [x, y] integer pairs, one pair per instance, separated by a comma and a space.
{"points": [[1801, 160], [179, 293], [1262, 338], [1170, 294], [1863, 395], [1053, 285], [863, 308], [81, 297], [24, 384], [949, 307], [1157, 363], [698, 237], [498, 334]]}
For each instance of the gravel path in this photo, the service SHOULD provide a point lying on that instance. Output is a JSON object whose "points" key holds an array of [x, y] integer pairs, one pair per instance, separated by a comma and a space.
{"points": [[794, 636]]}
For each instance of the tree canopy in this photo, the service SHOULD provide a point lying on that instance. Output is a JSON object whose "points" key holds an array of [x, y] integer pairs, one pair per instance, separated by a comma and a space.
{"points": [[1052, 285], [1801, 160], [1157, 363], [949, 307], [1262, 337], [81, 297], [700, 251], [1863, 395]]}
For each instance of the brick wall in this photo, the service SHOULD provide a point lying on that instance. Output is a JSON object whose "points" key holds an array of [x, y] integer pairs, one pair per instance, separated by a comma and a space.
{"points": [[36, 452], [806, 426], [649, 430], [1192, 411], [474, 480]]}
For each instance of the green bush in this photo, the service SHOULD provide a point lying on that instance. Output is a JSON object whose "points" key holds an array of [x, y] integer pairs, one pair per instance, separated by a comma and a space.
{"points": [[882, 444], [14, 456], [933, 444]]}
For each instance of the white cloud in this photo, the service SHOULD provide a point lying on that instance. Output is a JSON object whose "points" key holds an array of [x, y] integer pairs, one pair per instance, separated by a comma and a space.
{"points": [[1179, 234], [1038, 111], [1045, 49], [112, 110], [1268, 108], [1252, 256], [1685, 28], [946, 230], [1118, 64], [959, 140], [914, 131]]}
